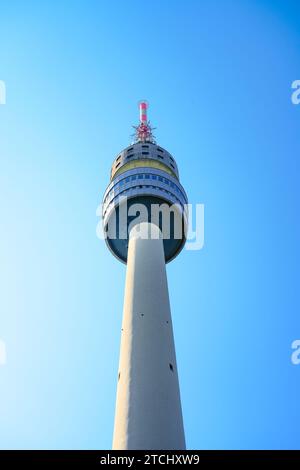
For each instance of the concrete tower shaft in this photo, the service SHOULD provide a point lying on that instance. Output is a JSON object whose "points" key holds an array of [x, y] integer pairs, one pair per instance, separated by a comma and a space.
{"points": [[148, 410]]}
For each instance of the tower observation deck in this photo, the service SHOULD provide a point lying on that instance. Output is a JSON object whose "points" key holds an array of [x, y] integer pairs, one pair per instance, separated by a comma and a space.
{"points": [[145, 220]]}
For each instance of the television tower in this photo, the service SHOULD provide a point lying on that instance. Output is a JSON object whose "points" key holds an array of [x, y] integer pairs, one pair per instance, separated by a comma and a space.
{"points": [[144, 176]]}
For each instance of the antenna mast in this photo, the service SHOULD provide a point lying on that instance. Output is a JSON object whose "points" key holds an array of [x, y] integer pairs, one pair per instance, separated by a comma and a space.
{"points": [[143, 132]]}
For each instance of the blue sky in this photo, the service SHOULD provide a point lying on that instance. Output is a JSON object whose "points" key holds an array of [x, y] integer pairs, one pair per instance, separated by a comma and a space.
{"points": [[218, 77]]}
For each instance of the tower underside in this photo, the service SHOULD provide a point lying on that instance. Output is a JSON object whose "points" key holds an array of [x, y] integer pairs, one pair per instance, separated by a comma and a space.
{"points": [[148, 409]]}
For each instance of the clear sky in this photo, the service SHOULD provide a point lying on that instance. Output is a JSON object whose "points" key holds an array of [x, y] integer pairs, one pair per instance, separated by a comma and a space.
{"points": [[217, 75]]}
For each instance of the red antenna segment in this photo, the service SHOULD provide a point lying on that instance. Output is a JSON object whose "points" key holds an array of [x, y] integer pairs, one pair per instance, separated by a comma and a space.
{"points": [[143, 111]]}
